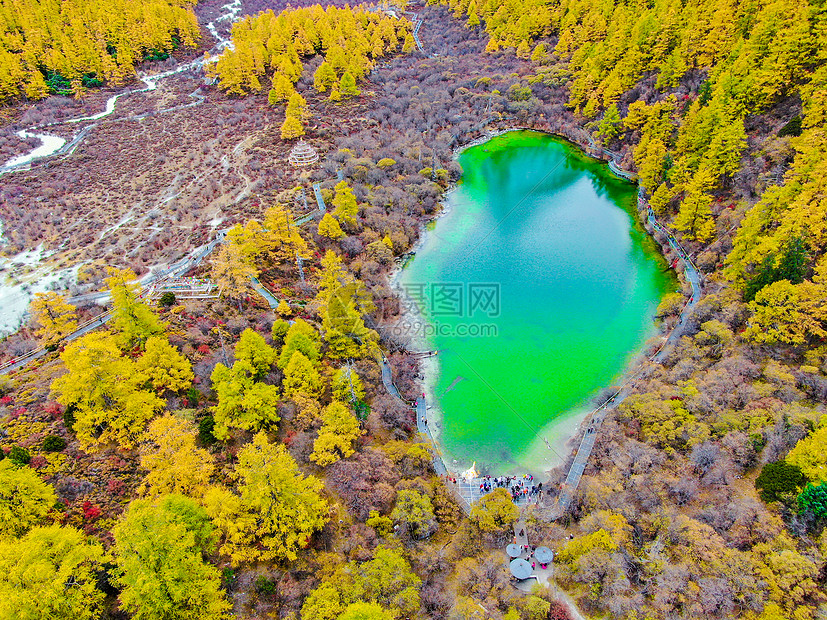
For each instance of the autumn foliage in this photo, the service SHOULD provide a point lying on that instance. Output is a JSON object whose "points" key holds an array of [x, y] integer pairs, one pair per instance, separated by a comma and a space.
{"points": [[62, 48]]}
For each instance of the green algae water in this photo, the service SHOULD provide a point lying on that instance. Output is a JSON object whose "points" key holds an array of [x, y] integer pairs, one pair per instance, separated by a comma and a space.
{"points": [[537, 289]]}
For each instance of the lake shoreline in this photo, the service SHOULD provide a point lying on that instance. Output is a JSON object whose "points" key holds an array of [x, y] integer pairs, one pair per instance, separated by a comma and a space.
{"points": [[567, 427]]}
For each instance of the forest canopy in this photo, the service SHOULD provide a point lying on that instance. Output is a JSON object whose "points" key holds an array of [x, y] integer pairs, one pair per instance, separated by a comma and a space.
{"points": [[61, 46], [351, 40], [255, 438]]}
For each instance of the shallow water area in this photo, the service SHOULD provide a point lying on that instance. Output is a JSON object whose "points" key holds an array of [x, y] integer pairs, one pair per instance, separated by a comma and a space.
{"points": [[537, 289]]}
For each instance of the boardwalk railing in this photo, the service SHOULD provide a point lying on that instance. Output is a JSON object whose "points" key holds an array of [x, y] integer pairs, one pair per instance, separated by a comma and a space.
{"points": [[417, 26], [597, 416], [421, 407], [21, 360]]}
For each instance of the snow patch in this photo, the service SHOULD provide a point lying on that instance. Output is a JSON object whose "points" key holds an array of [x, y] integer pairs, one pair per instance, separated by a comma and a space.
{"points": [[49, 145], [16, 296]]}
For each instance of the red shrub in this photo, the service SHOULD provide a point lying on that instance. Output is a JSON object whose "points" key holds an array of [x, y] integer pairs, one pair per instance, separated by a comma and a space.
{"points": [[559, 611], [115, 487], [90, 511], [53, 409]]}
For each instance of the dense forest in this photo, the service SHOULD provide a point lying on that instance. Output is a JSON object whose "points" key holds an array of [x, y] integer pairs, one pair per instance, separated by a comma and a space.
{"points": [[209, 459], [352, 40], [62, 47], [740, 61]]}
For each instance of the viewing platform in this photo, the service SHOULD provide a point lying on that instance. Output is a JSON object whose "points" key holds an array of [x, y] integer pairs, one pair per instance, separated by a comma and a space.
{"points": [[185, 288]]}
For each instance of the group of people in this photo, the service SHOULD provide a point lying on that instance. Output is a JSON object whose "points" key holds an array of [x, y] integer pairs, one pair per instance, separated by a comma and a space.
{"points": [[520, 487], [530, 550], [531, 558]]}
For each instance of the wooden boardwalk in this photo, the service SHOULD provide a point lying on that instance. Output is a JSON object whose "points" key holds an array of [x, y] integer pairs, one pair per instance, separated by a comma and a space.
{"points": [[596, 418], [176, 270], [317, 191], [421, 408]]}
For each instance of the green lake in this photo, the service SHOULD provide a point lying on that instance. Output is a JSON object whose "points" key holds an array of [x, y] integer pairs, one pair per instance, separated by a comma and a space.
{"points": [[538, 288]]}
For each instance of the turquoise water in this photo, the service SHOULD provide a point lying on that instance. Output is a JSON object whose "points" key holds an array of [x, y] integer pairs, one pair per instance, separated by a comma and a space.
{"points": [[538, 289]]}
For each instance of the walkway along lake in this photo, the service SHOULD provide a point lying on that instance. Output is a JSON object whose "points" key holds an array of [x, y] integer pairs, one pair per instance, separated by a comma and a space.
{"points": [[537, 287]]}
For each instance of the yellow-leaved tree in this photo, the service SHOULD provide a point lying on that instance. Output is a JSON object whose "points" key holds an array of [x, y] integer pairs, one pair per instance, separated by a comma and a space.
{"points": [[52, 572], [276, 510], [386, 580], [291, 128], [333, 276], [324, 78], [86, 44], [284, 308], [695, 215], [25, 499], [163, 367], [495, 511], [301, 336], [329, 227], [159, 549], [366, 611], [56, 317], [301, 377], [104, 390], [344, 327], [232, 270], [339, 430], [347, 386], [346, 206], [281, 241], [243, 402], [173, 462], [810, 454], [788, 313], [343, 300], [282, 89], [253, 350], [789, 577], [297, 107], [132, 320]]}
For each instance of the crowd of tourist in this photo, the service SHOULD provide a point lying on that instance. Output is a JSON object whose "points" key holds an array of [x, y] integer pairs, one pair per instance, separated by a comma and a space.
{"points": [[520, 487]]}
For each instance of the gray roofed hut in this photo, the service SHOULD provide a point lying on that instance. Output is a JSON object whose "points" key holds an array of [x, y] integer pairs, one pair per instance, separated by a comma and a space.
{"points": [[543, 555], [520, 569]]}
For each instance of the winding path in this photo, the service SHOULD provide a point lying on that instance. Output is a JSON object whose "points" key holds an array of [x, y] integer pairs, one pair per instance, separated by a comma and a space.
{"points": [[175, 270], [268, 296], [57, 148]]}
